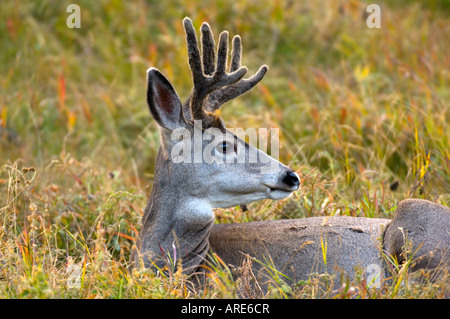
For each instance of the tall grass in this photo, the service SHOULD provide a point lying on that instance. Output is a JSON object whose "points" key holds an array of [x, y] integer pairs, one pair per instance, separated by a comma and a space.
{"points": [[363, 115]]}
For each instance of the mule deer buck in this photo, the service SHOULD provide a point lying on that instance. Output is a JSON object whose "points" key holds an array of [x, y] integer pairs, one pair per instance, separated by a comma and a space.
{"points": [[179, 216]]}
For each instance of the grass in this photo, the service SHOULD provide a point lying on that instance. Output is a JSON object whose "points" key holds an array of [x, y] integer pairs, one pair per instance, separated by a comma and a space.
{"points": [[363, 116]]}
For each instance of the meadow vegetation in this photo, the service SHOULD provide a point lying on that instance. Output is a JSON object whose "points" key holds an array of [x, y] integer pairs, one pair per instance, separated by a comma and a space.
{"points": [[363, 117]]}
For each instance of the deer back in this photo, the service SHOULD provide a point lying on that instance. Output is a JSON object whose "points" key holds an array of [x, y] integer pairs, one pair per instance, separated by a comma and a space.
{"points": [[299, 248]]}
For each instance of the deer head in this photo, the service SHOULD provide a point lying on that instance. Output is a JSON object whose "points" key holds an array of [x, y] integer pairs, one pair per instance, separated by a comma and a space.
{"points": [[238, 178]]}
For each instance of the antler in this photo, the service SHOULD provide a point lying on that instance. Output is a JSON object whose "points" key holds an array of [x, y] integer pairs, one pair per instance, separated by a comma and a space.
{"points": [[213, 86]]}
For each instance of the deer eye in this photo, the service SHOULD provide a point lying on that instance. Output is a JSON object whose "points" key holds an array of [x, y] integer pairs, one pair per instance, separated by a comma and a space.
{"points": [[224, 147]]}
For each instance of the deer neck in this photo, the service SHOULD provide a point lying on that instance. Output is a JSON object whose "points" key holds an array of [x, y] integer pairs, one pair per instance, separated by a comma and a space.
{"points": [[174, 220]]}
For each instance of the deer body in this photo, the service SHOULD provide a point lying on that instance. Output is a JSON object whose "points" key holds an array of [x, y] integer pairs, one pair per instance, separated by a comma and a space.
{"points": [[341, 244], [178, 222]]}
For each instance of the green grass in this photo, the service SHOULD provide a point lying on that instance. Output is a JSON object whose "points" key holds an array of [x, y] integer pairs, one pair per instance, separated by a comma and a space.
{"points": [[359, 110]]}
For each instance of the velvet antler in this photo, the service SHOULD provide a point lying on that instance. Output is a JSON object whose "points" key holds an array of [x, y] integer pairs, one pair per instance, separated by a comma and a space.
{"points": [[213, 86]]}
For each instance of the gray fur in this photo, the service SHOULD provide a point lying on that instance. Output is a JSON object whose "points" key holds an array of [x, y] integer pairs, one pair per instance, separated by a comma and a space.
{"points": [[302, 247], [352, 243], [421, 231], [179, 217]]}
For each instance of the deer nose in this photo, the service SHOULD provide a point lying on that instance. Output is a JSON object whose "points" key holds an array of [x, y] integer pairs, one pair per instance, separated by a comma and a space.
{"points": [[291, 179]]}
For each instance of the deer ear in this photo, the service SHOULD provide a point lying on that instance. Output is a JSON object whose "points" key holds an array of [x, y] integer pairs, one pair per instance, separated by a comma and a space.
{"points": [[163, 101]]}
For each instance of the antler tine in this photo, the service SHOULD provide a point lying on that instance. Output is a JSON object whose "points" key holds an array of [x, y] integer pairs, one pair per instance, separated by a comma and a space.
{"points": [[193, 51], [222, 54], [208, 49], [236, 54], [218, 98]]}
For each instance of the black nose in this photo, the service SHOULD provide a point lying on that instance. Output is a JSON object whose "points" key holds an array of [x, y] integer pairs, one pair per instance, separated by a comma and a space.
{"points": [[291, 179]]}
